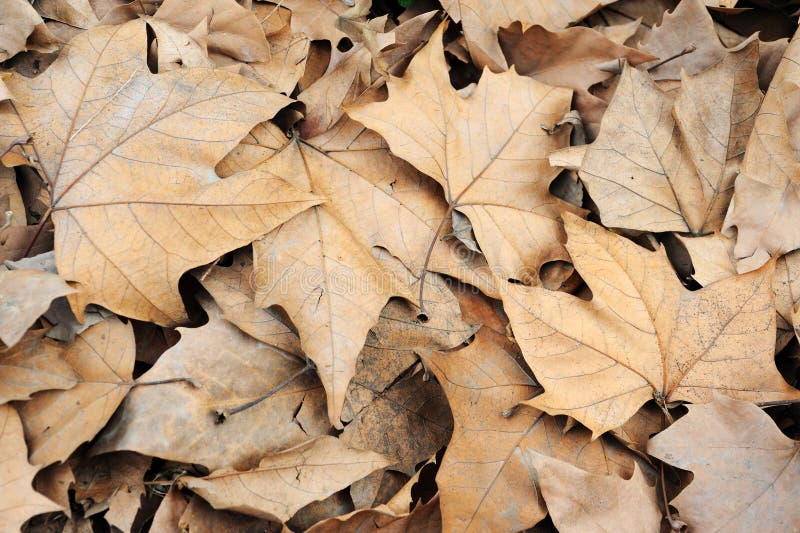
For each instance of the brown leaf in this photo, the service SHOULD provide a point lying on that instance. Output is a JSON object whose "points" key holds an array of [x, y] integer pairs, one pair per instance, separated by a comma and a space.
{"points": [[231, 368], [659, 165], [288, 51], [285, 482], [200, 517], [33, 365], [169, 512], [20, 501], [745, 469], [57, 422], [233, 31], [90, 161], [25, 295], [78, 13], [55, 482], [317, 18], [23, 29], [766, 200], [483, 479], [487, 152], [481, 21], [177, 49], [643, 335], [233, 290], [424, 518], [580, 501]]}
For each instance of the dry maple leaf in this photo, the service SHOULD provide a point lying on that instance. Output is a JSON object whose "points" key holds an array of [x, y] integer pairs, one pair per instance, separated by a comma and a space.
{"points": [[34, 364], [25, 295], [580, 501], [487, 151], [57, 422], [284, 482], [746, 471], [643, 335], [232, 369], [95, 115], [766, 203], [659, 165], [20, 501], [481, 21], [484, 481]]}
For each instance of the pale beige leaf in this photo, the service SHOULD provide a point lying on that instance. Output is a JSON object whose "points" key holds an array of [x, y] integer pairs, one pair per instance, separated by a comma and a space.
{"points": [[25, 295], [169, 512], [487, 151], [232, 369], [95, 115], [484, 482], [233, 31], [35, 364], [78, 13], [745, 470], [424, 518], [23, 29], [288, 51], [57, 422], [579, 501], [481, 20], [284, 482], [317, 18], [20, 501], [178, 49], [643, 335]]}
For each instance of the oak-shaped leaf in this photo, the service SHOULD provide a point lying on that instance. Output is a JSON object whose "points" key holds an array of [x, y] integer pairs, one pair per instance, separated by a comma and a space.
{"points": [[56, 422], [484, 480], [284, 482], [745, 470], [643, 335], [488, 152], [664, 164], [231, 369], [95, 116], [20, 501]]}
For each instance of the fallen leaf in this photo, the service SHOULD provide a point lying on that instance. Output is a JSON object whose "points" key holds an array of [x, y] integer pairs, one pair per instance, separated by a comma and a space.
{"points": [[643, 335], [20, 501], [487, 152], [481, 22], [78, 13], [34, 364], [23, 29], [132, 266], [284, 482], [318, 18], [663, 166], [744, 467], [424, 518], [580, 501], [200, 517], [55, 482], [57, 422], [177, 49], [766, 197], [232, 369], [233, 31], [25, 295], [483, 479], [169, 512]]}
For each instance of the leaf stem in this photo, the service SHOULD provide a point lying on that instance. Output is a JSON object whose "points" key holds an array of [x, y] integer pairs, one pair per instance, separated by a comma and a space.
{"points": [[688, 50], [423, 315], [191, 381], [38, 232]]}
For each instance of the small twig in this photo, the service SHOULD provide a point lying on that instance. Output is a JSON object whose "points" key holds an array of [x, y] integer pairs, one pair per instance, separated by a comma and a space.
{"points": [[777, 403], [688, 50], [222, 414], [193, 382], [658, 396]]}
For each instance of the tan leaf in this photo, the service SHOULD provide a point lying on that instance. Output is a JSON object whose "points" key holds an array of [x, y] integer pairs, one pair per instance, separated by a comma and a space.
{"points": [[233, 290], [232, 369], [488, 153], [424, 518], [481, 21], [177, 49], [25, 295], [288, 51], [169, 511], [567, 58], [95, 115], [200, 517], [20, 501], [580, 501], [284, 482], [767, 195], [483, 480], [233, 31], [55, 482], [643, 335], [620, 33], [663, 166], [689, 24], [317, 18], [57, 422], [745, 469], [33, 365], [23, 29], [78, 13]]}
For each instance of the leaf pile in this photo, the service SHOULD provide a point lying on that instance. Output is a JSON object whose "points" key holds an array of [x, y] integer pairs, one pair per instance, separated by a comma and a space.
{"points": [[415, 266]]}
